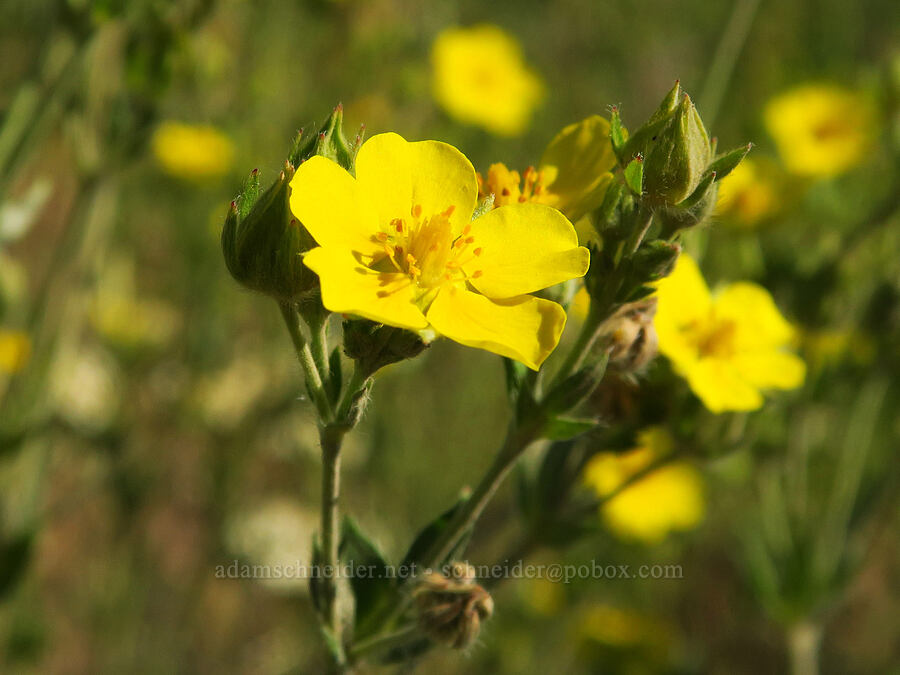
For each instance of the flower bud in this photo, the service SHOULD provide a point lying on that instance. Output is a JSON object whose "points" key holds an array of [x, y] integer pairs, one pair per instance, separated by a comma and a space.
{"points": [[633, 341], [374, 346], [262, 242], [451, 608], [676, 156]]}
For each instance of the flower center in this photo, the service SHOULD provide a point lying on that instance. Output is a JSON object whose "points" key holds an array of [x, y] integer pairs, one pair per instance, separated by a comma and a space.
{"points": [[425, 249], [713, 338], [510, 188]]}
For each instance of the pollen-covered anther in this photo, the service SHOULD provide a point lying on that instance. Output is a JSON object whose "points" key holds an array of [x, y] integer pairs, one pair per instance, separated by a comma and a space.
{"points": [[476, 274], [416, 210]]}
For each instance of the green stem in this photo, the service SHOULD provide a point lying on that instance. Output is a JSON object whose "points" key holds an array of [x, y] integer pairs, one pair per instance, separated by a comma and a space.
{"points": [[331, 439], [319, 345], [517, 440], [307, 363], [356, 383], [381, 643], [582, 346]]}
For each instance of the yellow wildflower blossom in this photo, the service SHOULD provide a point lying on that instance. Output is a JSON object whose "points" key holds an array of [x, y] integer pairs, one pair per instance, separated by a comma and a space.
{"points": [[481, 78], [747, 194], [821, 130], [728, 346], [15, 350], [396, 246], [666, 500], [622, 627], [573, 174], [192, 152]]}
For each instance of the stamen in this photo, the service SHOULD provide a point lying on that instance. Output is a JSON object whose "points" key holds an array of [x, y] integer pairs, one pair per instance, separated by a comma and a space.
{"points": [[416, 210], [477, 251], [477, 273], [450, 210], [382, 237]]}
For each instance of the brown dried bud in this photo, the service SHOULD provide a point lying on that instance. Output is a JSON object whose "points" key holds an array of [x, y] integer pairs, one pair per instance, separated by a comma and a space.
{"points": [[633, 340], [452, 607]]}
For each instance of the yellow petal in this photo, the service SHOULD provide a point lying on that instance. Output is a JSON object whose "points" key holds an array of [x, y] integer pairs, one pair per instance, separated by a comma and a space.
{"points": [[15, 351], [524, 248], [757, 320], [683, 295], [582, 157], [330, 204], [720, 386], [771, 369], [351, 288], [526, 328], [396, 175]]}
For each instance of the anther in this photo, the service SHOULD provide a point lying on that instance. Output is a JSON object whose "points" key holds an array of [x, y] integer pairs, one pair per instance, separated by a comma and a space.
{"points": [[477, 251], [416, 210]]}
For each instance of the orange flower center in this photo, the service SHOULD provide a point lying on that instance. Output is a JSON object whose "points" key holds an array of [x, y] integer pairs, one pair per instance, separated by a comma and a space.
{"points": [[425, 250]]}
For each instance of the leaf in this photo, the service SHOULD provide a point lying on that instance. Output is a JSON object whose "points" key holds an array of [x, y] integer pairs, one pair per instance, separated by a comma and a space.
{"points": [[429, 535], [634, 175], [617, 134], [371, 580], [567, 428]]}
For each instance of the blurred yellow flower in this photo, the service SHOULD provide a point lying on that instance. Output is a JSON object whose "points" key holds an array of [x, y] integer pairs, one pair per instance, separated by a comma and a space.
{"points": [[396, 246], [480, 78], [821, 130], [666, 500], [573, 174], [192, 152], [747, 194], [620, 627], [728, 346], [15, 350]]}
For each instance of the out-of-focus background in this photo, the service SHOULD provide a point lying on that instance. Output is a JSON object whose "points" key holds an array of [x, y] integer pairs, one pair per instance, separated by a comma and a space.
{"points": [[152, 421]]}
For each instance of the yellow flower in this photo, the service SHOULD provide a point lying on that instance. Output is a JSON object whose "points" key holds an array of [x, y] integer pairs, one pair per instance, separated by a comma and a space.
{"points": [[396, 246], [728, 346], [192, 152], [747, 194], [821, 130], [573, 175], [622, 627], [15, 350], [481, 78], [668, 499]]}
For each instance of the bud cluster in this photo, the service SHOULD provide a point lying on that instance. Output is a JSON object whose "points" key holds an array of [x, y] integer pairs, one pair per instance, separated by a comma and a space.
{"points": [[451, 608]]}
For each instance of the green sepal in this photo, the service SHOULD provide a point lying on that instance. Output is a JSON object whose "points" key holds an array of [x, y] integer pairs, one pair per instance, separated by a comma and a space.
{"points": [[634, 174], [568, 428], [727, 162], [618, 135]]}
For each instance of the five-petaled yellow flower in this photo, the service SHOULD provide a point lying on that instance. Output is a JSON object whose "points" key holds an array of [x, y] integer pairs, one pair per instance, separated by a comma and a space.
{"points": [[396, 246], [666, 500], [821, 130], [480, 78], [728, 346], [573, 174], [192, 152]]}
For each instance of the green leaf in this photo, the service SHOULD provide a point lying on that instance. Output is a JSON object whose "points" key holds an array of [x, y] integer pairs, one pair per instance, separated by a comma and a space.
{"points": [[567, 428], [429, 535], [371, 581], [725, 164], [634, 175], [14, 556]]}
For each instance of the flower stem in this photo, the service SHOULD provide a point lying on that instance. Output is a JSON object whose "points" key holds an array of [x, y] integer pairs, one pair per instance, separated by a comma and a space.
{"points": [[517, 440], [307, 363], [381, 643], [583, 345], [331, 438], [644, 220]]}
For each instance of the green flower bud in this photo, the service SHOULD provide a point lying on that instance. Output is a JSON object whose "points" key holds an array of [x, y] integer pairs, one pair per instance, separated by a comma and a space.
{"points": [[374, 346], [262, 243], [452, 608], [676, 157]]}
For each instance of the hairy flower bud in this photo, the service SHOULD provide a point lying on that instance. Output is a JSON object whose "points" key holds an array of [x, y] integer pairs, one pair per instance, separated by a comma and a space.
{"points": [[374, 346], [633, 342], [451, 608]]}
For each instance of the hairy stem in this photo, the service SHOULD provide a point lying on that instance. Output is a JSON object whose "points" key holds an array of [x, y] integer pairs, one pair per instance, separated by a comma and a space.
{"points": [[331, 439], [307, 363]]}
